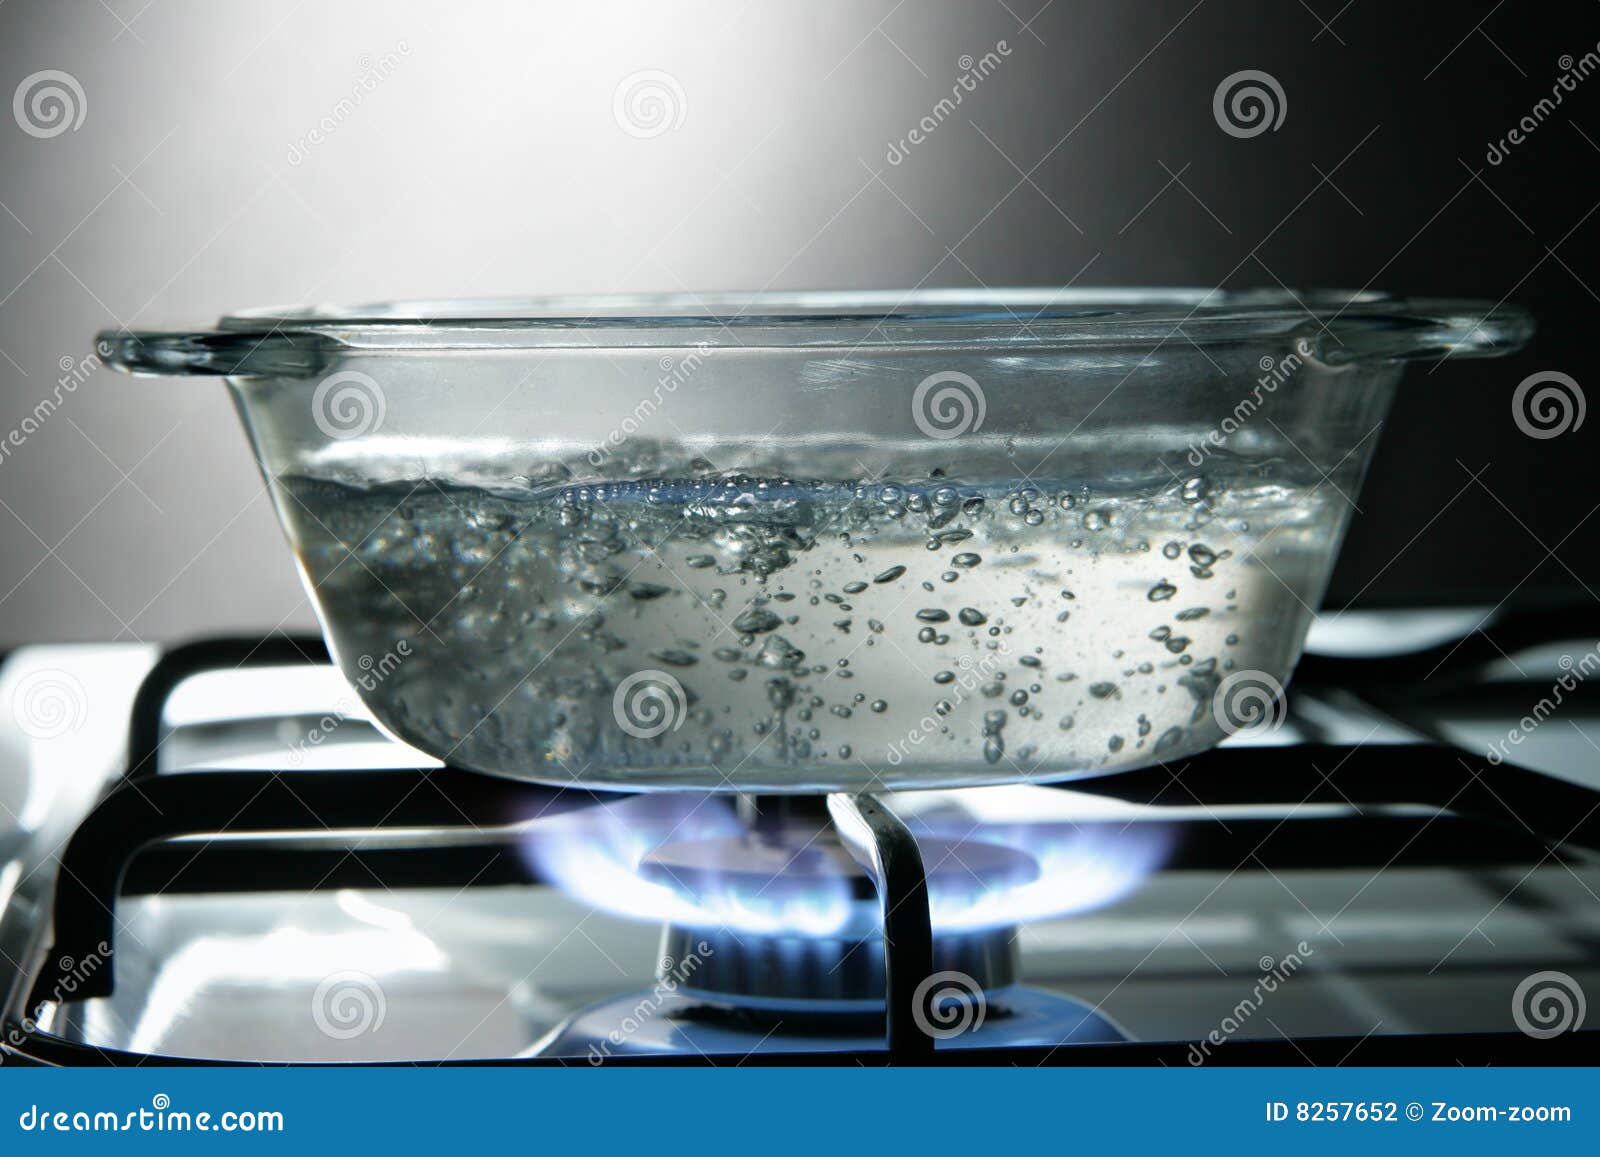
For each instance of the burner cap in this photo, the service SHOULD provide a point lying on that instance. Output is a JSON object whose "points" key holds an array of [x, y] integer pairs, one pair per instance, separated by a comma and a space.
{"points": [[816, 975]]}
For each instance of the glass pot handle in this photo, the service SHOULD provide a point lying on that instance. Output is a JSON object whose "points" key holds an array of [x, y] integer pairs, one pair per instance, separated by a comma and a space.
{"points": [[218, 353]]}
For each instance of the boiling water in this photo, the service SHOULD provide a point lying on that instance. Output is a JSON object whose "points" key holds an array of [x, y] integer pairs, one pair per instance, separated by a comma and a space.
{"points": [[723, 631]]}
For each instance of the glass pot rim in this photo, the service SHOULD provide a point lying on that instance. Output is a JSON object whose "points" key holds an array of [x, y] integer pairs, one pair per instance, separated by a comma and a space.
{"points": [[1338, 326]]}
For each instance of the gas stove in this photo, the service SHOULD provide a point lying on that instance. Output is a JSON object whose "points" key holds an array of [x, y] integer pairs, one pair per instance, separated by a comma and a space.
{"points": [[212, 853]]}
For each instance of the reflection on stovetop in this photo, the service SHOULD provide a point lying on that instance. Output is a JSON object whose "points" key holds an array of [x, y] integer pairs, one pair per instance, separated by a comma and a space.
{"points": [[489, 973], [1356, 919]]}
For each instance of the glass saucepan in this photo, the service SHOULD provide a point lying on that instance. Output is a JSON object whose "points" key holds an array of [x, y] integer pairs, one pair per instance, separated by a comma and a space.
{"points": [[829, 541]]}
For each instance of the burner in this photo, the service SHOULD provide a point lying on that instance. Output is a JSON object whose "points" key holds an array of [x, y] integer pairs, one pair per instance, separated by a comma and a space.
{"points": [[839, 962], [777, 941]]}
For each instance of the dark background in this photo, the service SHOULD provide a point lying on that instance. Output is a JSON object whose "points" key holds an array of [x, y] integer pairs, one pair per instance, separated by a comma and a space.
{"points": [[490, 162]]}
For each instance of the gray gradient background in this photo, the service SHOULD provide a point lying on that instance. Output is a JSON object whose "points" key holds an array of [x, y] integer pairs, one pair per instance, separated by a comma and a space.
{"points": [[489, 162]]}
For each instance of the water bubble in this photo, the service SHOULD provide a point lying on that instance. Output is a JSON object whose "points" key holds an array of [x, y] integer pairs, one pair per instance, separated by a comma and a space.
{"points": [[1161, 592], [780, 694], [757, 621], [778, 652], [972, 617]]}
